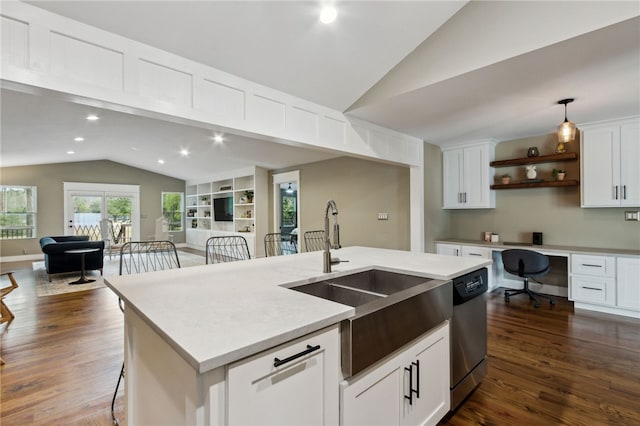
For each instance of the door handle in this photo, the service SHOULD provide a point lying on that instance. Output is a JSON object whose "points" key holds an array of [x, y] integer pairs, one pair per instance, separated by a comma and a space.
{"points": [[278, 362], [616, 192], [624, 192], [412, 391]]}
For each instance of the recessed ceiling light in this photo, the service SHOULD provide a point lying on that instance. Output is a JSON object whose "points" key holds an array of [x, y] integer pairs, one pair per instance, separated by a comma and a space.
{"points": [[79, 139], [328, 14], [133, 148], [71, 152], [218, 138], [92, 117], [184, 152], [161, 161]]}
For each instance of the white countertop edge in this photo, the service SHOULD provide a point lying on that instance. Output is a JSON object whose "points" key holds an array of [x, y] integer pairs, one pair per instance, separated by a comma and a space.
{"points": [[544, 247], [204, 365]]}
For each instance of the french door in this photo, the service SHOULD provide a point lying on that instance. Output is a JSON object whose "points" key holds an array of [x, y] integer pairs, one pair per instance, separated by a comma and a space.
{"points": [[86, 204]]}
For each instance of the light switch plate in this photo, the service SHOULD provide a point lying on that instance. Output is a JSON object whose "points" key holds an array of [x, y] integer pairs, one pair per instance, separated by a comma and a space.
{"points": [[383, 216], [632, 215]]}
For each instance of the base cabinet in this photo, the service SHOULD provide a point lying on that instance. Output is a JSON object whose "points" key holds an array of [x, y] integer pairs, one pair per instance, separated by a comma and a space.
{"points": [[410, 388], [606, 284], [300, 389], [468, 251]]}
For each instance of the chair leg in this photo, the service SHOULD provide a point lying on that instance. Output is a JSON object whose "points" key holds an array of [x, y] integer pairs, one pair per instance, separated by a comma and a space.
{"points": [[532, 294], [115, 394], [5, 313]]}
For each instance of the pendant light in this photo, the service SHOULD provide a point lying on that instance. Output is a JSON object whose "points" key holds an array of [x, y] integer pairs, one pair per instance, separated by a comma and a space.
{"points": [[566, 130], [289, 189]]}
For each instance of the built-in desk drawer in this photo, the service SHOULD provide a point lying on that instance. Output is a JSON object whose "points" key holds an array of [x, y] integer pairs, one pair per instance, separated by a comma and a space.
{"points": [[599, 290], [476, 252], [603, 266]]}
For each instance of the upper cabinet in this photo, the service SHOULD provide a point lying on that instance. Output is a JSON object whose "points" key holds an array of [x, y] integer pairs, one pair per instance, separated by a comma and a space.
{"points": [[467, 176], [610, 158]]}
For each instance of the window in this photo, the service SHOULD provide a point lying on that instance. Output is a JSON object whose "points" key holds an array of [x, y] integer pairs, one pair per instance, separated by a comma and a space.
{"points": [[18, 212], [173, 209]]}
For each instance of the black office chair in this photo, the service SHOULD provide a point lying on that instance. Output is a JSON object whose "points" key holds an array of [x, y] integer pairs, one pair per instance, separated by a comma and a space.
{"points": [[526, 264]]}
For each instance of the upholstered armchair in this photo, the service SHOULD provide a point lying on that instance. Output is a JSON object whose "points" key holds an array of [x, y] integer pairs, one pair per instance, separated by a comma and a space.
{"points": [[56, 261]]}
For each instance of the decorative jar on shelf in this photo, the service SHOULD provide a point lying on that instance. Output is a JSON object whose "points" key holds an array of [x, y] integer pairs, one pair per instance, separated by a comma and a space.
{"points": [[506, 179]]}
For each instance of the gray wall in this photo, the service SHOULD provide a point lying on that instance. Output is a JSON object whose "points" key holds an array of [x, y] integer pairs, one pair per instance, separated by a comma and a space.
{"points": [[360, 189], [436, 220], [49, 179], [554, 211]]}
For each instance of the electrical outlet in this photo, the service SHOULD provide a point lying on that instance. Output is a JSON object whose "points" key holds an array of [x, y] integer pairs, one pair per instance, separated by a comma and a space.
{"points": [[383, 216], [25, 251], [632, 215]]}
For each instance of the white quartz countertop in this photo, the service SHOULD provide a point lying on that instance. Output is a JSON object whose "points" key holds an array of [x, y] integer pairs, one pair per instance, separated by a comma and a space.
{"points": [[545, 247], [213, 315]]}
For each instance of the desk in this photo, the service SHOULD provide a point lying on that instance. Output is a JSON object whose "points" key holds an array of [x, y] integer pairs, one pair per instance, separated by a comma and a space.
{"points": [[82, 253], [596, 279]]}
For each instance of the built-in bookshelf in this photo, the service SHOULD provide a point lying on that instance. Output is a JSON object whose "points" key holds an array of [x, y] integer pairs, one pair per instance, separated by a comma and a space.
{"points": [[237, 202]]}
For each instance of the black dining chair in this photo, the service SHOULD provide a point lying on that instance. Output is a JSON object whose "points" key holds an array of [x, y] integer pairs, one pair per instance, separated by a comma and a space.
{"points": [[137, 257], [526, 264], [227, 249], [314, 240]]}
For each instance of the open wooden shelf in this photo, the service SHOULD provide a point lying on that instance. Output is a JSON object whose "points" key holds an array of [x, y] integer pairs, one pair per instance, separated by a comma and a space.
{"points": [[565, 156], [546, 183]]}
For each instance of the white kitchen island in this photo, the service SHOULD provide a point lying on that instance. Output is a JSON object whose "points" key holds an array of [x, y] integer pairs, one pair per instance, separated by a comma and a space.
{"points": [[193, 335]]}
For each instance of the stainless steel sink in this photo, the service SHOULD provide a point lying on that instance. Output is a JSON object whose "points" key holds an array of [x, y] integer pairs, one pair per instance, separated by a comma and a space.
{"points": [[391, 309]]}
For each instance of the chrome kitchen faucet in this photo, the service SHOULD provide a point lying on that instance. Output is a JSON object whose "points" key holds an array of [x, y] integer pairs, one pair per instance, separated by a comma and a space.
{"points": [[327, 261]]}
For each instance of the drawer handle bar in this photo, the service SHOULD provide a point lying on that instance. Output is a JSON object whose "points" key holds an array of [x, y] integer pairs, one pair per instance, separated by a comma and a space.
{"points": [[278, 362], [592, 288], [592, 265], [475, 254]]}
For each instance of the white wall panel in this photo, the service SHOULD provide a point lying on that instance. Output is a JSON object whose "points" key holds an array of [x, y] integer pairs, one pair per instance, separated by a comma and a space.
{"points": [[396, 148], [15, 42], [87, 62], [164, 83], [221, 100], [267, 113], [302, 123], [333, 131], [379, 143]]}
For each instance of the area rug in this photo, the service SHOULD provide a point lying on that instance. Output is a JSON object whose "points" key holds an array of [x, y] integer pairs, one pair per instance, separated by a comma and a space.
{"points": [[60, 282]]}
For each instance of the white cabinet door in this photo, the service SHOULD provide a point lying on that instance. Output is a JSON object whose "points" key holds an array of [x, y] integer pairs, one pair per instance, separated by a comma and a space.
{"points": [[476, 182], [375, 400], [600, 172], [453, 169], [628, 283], [467, 177], [383, 395], [448, 249], [429, 362], [303, 390], [610, 157], [630, 164]]}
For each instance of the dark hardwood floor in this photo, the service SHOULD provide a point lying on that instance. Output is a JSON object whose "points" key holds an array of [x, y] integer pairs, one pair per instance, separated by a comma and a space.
{"points": [[547, 366]]}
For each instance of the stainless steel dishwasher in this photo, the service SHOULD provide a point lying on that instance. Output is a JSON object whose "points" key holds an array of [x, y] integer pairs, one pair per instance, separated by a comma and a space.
{"points": [[468, 335]]}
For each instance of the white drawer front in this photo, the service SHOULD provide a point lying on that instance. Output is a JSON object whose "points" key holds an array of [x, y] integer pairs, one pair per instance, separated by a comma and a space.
{"points": [[472, 251], [596, 290], [603, 266]]}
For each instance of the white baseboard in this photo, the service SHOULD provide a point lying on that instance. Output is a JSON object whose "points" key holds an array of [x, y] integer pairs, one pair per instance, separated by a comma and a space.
{"points": [[21, 258]]}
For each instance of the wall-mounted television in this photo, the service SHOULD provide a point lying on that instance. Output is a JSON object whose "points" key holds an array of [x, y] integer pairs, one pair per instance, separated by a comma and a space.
{"points": [[223, 209]]}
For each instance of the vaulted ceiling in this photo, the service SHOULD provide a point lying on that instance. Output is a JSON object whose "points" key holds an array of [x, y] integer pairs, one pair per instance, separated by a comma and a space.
{"points": [[441, 71]]}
